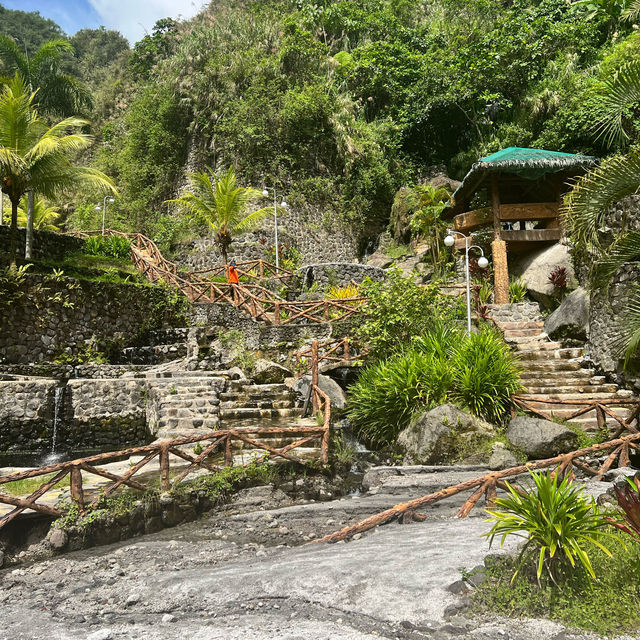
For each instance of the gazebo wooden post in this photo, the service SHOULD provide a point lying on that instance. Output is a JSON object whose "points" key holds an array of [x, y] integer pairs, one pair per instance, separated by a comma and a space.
{"points": [[498, 250]]}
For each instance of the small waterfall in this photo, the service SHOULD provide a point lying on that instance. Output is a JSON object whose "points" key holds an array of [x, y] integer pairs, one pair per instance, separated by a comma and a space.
{"points": [[55, 456], [57, 404]]}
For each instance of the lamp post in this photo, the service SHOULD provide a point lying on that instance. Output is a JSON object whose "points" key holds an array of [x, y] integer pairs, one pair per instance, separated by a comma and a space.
{"points": [[104, 209], [283, 204], [482, 263]]}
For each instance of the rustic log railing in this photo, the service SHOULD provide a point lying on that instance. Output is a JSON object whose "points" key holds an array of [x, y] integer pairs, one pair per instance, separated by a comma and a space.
{"points": [[253, 269], [338, 350], [603, 409], [486, 485], [215, 443], [257, 301]]}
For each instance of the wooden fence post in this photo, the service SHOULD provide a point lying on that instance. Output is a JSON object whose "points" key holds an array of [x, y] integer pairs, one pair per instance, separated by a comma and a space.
{"points": [[600, 416], [228, 452], [277, 313], [314, 374], [77, 494], [164, 467], [347, 355]]}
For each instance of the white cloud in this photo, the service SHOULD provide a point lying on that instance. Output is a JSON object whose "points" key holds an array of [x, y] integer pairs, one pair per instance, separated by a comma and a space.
{"points": [[134, 18]]}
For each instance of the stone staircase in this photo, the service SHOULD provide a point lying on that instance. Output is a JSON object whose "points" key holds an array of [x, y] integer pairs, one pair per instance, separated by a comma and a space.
{"points": [[552, 371], [185, 403]]}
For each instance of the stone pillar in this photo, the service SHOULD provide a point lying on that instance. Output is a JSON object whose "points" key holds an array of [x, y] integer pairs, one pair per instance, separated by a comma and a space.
{"points": [[500, 272]]}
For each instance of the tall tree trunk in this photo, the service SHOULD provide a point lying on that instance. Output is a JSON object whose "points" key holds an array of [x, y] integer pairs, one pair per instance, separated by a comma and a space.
{"points": [[1, 207], [13, 233], [28, 246]]}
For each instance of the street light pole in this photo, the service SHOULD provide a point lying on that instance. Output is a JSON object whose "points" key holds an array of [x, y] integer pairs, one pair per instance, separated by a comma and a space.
{"points": [[104, 209], [283, 204], [482, 263]]}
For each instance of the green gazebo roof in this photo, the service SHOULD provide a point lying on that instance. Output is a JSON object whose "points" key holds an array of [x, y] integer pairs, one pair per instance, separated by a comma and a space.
{"points": [[529, 164]]}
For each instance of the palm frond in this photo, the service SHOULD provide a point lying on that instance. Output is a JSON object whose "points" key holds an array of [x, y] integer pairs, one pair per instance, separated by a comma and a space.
{"points": [[253, 220], [586, 206], [626, 249], [628, 328], [632, 12], [618, 96]]}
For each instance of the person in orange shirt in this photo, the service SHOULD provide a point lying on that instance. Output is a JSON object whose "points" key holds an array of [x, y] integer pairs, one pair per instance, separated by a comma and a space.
{"points": [[232, 279]]}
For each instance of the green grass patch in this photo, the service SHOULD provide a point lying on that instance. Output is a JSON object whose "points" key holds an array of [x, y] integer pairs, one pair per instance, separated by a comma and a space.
{"points": [[29, 485], [607, 605]]}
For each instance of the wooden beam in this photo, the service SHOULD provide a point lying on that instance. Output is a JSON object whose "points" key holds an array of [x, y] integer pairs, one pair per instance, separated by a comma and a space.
{"points": [[528, 211], [532, 235], [473, 219]]}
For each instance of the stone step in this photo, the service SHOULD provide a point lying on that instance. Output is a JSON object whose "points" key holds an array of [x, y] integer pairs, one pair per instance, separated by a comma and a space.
{"points": [[541, 345], [194, 374], [560, 381], [186, 399], [523, 335], [555, 401], [248, 398], [550, 353], [257, 404], [549, 366], [174, 423], [587, 389], [581, 376], [520, 326], [240, 414], [158, 354]]}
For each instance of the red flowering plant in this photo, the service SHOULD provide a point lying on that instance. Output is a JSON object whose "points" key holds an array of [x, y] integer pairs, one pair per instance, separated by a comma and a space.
{"points": [[628, 498]]}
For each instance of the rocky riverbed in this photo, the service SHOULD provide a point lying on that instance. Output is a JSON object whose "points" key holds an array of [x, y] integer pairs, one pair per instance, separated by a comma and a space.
{"points": [[243, 572]]}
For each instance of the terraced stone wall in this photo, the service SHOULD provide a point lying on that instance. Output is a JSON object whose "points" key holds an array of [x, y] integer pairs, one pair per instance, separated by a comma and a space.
{"points": [[48, 319], [54, 246]]}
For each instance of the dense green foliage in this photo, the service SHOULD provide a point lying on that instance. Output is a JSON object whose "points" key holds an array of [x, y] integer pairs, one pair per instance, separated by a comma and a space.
{"points": [[339, 104], [477, 372], [607, 605], [398, 310], [30, 29], [557, 522]]}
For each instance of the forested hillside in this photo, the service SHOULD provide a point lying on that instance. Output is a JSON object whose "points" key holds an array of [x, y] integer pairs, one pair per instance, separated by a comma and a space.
{"points": [[340, 103]]}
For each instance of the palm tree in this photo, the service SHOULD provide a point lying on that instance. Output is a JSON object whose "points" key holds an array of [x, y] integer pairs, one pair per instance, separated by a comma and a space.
{"points": [[60, 94], [587, 205], [34, 157], [222, 204], [44, 214]]}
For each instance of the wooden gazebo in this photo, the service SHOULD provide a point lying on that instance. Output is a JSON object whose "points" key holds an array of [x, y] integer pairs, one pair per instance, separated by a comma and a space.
{"points": [[518, 192]]}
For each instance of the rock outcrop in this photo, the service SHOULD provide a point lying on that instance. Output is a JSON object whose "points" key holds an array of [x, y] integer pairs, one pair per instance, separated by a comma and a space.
{"points": [[439, 435], [539, 438], [571, 318]]}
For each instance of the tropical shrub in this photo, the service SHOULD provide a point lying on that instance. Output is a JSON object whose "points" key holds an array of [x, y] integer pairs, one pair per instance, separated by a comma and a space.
{"points": [[478, 372], [485, 375], [387, 394], [557, 521], [399, 310], [109, 246], [517, 290]]}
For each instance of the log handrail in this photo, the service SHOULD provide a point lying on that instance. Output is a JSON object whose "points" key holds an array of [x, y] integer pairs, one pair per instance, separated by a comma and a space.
{"points": [[260, 303], [486, 484], [222, 439], [601, 407], [329, 351]]}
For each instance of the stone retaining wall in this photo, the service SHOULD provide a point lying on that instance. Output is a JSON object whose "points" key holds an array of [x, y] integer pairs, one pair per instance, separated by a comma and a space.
{"points": [[338, 274], [305, 231], [256, 334], [54, 246], [49, 317], [26, 415]]}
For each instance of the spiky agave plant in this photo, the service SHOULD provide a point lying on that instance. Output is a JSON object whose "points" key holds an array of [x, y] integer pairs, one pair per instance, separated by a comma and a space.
{"points": [[557, 521]]}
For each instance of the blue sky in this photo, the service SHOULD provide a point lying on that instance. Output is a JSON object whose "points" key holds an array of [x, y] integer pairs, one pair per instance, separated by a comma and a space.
{"points": [[133, 18]]}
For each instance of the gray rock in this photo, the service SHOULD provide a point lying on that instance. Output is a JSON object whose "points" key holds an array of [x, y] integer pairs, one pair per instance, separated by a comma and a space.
{"points": [[102, 634], [268, 372], [328, 385], [540, 438], [58, 539], [427, 440], [502, 458], [571, 318], [378, 259], [536, 267]]}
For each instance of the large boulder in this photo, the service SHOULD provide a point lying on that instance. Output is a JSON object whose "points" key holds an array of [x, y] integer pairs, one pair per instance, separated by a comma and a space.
{"points": [[539, 438], [439, 435], [536, 267], [328, 385], [571, 318], [268, 372]]}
